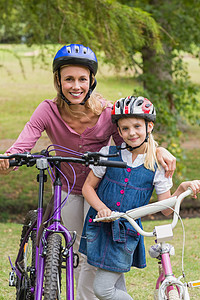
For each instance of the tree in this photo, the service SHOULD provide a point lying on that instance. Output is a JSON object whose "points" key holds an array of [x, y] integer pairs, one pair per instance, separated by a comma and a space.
{"points": [[106, 26], [164, 75]]}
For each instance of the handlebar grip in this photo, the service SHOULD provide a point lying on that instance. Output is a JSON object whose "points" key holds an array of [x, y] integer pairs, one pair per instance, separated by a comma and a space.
{"points": [[109, 163], [13, 163]]}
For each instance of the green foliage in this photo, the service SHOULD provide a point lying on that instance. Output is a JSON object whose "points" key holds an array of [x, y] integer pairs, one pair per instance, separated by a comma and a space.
{"points": [[102, 24], [11, 27]]}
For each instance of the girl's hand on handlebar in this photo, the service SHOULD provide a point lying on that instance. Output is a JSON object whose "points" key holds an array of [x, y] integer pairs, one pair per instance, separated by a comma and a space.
{"points": [[104, 212], [4, 165], [194, 185], [167, 161]]}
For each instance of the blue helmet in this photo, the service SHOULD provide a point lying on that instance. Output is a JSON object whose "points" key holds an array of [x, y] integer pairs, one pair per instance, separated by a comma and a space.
{"points": [[75, 54]]}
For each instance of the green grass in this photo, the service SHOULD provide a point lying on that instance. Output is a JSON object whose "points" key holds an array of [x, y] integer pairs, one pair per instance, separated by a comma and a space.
{"points": [[21, 92], [140, 283]]}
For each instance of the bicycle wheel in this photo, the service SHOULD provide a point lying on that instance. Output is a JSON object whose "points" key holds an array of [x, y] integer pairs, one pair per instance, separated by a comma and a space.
{"points": [[26, 262], [52, 270], [174, 295]]}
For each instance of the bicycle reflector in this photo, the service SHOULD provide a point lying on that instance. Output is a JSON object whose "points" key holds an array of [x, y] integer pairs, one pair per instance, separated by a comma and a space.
{"points": [[163, 233], [194, 283]]}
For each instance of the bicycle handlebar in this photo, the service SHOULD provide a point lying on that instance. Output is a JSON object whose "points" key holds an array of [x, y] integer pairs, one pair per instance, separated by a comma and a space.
{"points": [[89, 158], [152, 208]]}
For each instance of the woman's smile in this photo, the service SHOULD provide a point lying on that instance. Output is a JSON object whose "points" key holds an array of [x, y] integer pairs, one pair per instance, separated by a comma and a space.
{"points": [[76, 95]]}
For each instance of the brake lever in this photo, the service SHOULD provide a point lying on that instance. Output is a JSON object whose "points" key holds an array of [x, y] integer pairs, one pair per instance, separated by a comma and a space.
{"points": [[94, 155]]}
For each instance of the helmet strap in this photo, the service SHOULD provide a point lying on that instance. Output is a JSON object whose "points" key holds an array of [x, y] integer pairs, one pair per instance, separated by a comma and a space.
{"points": [[61, 92], [91, 89]]}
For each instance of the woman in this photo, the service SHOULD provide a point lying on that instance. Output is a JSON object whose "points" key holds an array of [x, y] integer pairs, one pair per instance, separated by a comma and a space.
{"points": [[80, 120]]}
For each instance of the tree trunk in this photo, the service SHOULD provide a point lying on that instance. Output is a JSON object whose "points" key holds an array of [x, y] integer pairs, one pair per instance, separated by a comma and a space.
{"points": [[158, 67]]}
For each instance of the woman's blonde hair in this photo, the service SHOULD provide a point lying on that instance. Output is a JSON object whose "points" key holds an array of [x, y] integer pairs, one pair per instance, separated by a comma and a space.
{"points": [[151, 158], [94, 103]]}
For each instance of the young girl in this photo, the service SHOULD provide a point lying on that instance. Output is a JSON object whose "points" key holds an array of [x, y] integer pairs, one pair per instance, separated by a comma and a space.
{"points": [[113, 247]]}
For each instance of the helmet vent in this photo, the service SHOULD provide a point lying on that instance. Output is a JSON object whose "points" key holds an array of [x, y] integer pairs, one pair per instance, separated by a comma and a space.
{"points": [[117, 104], [77, 49], [140, 102], [85, 51], [68, 50]]}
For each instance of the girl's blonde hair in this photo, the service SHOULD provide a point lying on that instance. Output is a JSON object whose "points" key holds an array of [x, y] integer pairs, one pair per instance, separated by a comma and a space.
{"points": [[94, 103], [151, 158]]}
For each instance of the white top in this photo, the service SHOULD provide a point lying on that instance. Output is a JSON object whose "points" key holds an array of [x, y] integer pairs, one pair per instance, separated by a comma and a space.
{"points": [[161, 183]]}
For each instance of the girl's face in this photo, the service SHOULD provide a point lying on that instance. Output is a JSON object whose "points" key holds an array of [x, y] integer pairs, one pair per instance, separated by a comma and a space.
{"points": [[133, 130], [75, 81]]}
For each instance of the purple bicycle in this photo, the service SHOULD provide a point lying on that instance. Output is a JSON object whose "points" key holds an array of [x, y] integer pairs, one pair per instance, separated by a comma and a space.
{"points": [[47, 247]]}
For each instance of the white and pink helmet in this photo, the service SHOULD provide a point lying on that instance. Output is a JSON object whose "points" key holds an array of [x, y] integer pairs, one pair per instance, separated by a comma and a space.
{"points": [[133, 107]]}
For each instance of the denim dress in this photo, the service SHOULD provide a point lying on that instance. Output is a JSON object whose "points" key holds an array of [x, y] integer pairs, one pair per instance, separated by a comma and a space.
{"points": [[116, 246]]}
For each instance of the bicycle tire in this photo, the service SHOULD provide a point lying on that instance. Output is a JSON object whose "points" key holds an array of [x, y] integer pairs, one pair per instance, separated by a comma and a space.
{"points": [[52, 270], [26, 260], [174, 295]]}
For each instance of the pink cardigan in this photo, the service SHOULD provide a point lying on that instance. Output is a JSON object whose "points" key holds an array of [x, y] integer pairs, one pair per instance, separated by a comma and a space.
{"points": [[47, 118]]}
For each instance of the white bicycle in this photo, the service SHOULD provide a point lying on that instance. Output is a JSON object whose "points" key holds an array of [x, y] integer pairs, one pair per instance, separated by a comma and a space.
{"points": [[168, 287]]}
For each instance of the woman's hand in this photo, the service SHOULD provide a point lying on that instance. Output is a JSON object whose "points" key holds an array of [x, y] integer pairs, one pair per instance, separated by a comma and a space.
{"points": [[167, 161], [194, 185], [4, 165]]}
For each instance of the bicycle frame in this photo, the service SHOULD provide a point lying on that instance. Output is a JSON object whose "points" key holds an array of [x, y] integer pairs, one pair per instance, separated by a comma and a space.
{"points": [[55, 227]]}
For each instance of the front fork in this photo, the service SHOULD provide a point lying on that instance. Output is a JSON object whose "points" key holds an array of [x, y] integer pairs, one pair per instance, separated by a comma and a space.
{"points": [[69, 263], [166, 281]]}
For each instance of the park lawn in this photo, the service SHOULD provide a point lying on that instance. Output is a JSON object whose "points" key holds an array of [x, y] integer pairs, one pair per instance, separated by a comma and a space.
{"points": [[140, 282]]}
